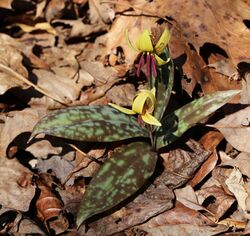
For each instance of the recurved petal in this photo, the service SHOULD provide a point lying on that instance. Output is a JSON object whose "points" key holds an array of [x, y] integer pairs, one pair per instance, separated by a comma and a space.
{"points": [[144, 43], [142, 97], [163, 41], [160, 61], [149, 119], [122, 109], [139, 102]]}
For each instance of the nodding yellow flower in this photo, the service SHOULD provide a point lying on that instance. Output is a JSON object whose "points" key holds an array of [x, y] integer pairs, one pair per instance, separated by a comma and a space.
{"points": [[144, 105], [145, 46]]}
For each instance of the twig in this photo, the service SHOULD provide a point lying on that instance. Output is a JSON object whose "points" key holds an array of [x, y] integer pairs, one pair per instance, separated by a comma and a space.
{"points": [[23, 79]]}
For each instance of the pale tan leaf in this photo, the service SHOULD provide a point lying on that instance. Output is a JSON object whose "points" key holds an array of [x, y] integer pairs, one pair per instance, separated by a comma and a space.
{"points": [[188, 198], [234, 126], [241, 162], [63, 88], [221, 203], [10, 57], [12, 126], [101, 11], [235, 184], [15, 184], [184, 229], [6, 4], [42, 149], [39, 26]]}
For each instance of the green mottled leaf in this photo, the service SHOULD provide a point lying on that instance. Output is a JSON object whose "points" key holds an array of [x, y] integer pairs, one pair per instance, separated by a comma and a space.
{"points": [[164, 84], [178, 122], [90, 123], [118, 178]]}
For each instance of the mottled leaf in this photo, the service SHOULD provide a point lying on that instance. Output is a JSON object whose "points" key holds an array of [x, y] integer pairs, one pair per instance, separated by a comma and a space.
{"points": [[119, 177], [178, 122], [90, 123], [164, 84]]}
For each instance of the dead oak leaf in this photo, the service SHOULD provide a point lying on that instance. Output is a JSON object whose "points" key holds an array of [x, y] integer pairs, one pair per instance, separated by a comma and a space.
{"points": [[222, 201], [209, 21], [236, 184], [6, 4], [11, 60], [12, 126], [234, 126], [219, 23], [14, 193], [241, 162]]}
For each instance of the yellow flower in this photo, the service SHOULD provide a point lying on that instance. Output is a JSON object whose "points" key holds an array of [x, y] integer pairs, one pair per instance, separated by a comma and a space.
{"points": [[143, 104], [145, 46]]}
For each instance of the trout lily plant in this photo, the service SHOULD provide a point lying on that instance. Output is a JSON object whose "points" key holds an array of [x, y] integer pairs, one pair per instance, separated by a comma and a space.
{"points": [[130, 165]]}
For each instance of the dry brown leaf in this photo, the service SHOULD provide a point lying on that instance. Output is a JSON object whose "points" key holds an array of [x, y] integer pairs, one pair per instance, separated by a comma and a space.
{"points": [[224, 67], [42, 149], [63, 88], [247, 188], [205, 169], [188, 198], [214, 81], [210, 141], [234, 126], [121, 95], [241, 162], [12, 128], [180, 214], [15, 184], [184, 229], [247, 229], [48, 205], [39, 26], [189, 63], [25, 227], [221, 203], [11, 59], [210, 22], [54, 9], [6, 4], [236, 184], [40, 6], [219, 176], [180, 165], [59, 166], [71, 197], [100, 12], [245, 96]]}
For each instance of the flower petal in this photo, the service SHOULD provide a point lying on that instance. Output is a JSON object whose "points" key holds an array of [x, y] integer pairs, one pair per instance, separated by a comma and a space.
{"points": [[139, 103], [160, 61], [129, 42], [163, 41], [122, 109], [144, 43], [142, 97], [149, 119]]}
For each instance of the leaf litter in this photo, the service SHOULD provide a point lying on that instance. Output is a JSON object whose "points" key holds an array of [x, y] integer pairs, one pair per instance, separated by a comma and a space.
{"points": [[56, 54]]}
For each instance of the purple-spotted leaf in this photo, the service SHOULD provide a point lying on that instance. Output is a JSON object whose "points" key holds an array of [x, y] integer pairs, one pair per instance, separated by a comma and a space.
{"points": [[178, 122], [164, 84], [118, 178], [90, 123]]}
